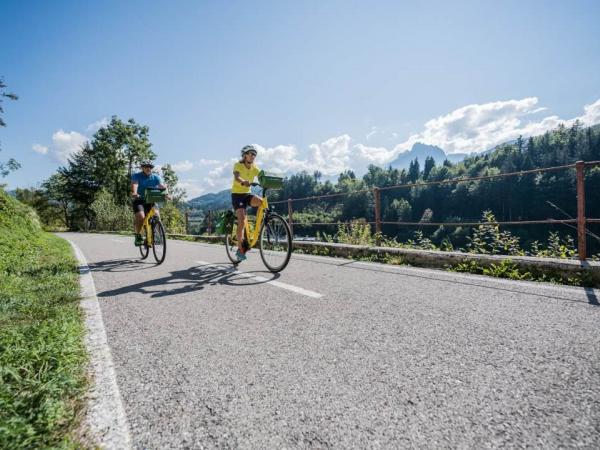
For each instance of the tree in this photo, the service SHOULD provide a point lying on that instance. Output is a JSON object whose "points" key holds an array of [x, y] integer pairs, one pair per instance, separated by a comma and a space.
{"points": [[171, 179], [48, 212], [11, 164], [110, 216], [106, 162], [79, 183], [414, 170], [399, 210], [429, 165], [118, 149], [56, 192]]}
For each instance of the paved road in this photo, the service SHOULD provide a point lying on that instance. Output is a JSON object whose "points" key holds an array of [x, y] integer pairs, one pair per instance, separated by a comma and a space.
{"points": [[361, 355]]}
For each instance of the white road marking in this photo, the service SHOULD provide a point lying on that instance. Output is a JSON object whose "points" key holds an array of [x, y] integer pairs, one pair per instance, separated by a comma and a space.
{"points": [[279, 284], [106, 414]]}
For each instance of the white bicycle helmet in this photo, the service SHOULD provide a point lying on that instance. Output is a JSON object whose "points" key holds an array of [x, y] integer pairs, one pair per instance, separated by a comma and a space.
{"points": [[248, 149]]}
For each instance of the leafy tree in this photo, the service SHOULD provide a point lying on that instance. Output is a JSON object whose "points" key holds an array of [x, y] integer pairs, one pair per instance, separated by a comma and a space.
{"points": [[55, 189], [173, 219], [79, 183], [171, 179], [11, 164], [429, 165], [110, 216], [414, 170], [118, 149], [106, 162], [49, 213]]}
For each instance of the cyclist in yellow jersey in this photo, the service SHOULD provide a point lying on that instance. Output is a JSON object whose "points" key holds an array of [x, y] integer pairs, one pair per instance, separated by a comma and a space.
{"points": [[244, 173]]}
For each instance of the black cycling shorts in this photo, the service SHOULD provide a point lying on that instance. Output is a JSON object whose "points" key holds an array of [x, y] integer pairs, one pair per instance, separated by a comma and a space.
{"points": [[240, 200], [139, 206]]}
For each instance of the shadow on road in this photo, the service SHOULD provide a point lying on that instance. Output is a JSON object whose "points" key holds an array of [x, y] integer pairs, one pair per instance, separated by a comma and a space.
{"points": [[121, 265], [191, 280], [592, 298]]}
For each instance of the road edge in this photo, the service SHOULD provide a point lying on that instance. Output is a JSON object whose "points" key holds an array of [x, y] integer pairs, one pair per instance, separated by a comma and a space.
{"points": [[105, 415]]}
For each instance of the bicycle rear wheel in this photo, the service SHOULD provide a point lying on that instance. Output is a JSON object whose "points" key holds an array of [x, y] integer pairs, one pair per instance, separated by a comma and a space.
{"points": [[231, 245], [159, 241], [144, 249], [275, 243]]}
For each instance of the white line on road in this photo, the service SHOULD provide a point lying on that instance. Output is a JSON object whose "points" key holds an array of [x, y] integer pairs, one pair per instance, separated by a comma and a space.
{"points": [[106, 415], [279, 284]]}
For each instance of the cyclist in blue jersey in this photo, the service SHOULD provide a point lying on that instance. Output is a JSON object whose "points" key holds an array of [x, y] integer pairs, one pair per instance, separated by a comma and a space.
{"points": [[139, 182]]}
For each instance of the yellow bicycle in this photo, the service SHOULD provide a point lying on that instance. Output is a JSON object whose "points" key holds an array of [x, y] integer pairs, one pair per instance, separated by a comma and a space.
{"points": [[153, 230], [270, 231]]}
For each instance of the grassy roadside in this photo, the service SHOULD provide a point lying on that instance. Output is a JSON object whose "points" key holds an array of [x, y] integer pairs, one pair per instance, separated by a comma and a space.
{"points": [[42, 353]]}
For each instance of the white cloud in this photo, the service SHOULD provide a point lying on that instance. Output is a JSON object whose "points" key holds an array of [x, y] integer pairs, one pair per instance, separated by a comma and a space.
{"points": [[42, 150], [468, 129], [371, 133], [193, 188], [93, 127], [478, 127], [208, 162], [183, 166], [65, 144], [591, 115], [220, 177], [375, 155]]}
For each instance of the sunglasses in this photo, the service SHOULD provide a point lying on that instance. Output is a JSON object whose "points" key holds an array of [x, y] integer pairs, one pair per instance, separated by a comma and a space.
{"points": [[251, 153]]}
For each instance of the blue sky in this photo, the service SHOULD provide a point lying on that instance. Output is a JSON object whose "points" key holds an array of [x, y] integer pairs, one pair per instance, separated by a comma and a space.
{"points": [[325, 85]]}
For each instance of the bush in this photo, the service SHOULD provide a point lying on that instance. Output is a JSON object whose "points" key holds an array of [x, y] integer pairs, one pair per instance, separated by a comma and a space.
{"points": [[42, 355], [109, 215], [172, 219]]}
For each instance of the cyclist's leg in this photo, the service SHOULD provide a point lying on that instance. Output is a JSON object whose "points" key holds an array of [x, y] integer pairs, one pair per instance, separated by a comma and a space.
{"points": [[239, 203], [254, 201], [138, 209], [241, 223]]}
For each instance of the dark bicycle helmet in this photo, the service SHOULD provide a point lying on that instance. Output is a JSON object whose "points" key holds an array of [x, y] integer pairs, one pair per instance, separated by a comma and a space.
{"points": [[147, 163]]}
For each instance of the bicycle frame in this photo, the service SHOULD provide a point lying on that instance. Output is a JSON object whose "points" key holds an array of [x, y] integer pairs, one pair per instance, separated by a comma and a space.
{"points": [[146, 226], [253, 237]]}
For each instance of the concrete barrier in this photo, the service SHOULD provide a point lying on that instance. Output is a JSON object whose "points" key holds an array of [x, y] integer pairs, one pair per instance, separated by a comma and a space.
{"points": [[564, 268], [589, 271]]}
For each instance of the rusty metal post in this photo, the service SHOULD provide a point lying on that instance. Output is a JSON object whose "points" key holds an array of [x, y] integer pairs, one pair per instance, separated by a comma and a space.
{"points": [[377, 195], [209, 225], [187, 221], [581, 244], [290, 219]]}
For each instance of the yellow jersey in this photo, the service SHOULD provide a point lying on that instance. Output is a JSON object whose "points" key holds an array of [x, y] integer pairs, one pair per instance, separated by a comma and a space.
{"points": [[246, 174]]}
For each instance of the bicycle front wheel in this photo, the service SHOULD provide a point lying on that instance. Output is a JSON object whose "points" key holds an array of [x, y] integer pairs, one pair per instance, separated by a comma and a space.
{"points": [[159, 242], [144, 249], [275, 243], [231, 245]]}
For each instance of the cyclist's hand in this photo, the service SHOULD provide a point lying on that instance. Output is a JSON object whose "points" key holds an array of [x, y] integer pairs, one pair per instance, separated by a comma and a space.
{"points": [[134, 196], [245, 183]]}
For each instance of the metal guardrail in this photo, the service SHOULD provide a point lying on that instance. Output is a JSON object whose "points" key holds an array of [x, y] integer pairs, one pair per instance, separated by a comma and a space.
{"points": [[580, 221]]}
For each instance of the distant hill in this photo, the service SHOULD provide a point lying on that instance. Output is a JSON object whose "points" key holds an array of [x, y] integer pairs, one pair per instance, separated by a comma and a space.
{"points": [[219, 200], [421, 152]]}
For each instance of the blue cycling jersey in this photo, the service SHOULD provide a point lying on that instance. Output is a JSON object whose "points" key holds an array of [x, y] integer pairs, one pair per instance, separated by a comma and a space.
{"points": [[145, 181]]}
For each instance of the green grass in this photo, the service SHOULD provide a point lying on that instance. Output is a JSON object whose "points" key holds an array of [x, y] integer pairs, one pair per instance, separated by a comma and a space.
{"points": [[42, 354]]}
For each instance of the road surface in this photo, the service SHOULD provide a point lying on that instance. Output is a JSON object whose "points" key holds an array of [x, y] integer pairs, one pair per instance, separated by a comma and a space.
{"points": [[336, 353]]}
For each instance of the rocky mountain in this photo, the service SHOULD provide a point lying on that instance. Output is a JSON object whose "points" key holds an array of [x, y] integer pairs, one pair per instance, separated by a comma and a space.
{"points": [[422, 151]]}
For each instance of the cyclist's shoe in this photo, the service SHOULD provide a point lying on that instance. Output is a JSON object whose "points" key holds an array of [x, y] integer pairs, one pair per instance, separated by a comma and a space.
{"points": [[245, 245], [239, 255], [139, 240]]}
